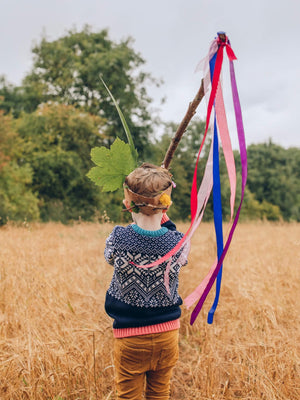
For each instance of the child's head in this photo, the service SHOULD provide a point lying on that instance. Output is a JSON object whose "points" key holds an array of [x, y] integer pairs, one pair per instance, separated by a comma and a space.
{"points": [[149, 188]]}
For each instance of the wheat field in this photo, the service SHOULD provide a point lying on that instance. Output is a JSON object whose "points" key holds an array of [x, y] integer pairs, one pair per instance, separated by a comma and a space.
{"points": [[56, 340]]}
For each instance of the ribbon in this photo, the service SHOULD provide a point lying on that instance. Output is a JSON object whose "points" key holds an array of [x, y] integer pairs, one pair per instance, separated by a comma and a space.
{"points": [[243, 155], [207, 64], [211, 178]]}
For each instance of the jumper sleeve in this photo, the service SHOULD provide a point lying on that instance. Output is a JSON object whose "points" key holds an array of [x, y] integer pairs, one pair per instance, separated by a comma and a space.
{"points": [[109, 249], [167, 223]]}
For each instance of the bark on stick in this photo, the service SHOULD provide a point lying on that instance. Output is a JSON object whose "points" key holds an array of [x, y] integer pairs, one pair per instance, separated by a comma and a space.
{"points": [[182, 127]]}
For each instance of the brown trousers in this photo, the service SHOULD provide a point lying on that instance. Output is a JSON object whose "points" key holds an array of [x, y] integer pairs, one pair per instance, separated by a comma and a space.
{"points": [[149, 358]]}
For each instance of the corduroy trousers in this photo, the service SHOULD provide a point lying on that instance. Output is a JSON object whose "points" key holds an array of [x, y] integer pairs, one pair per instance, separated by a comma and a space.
{"points": [[144, 364]]}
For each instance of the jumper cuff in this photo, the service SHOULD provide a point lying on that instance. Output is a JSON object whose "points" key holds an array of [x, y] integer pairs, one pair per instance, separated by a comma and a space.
{"points": [[145, 330], [164, 219]]}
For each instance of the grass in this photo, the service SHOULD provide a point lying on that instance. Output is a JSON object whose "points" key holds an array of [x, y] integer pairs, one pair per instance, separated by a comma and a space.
{"points": [[56, 340]]}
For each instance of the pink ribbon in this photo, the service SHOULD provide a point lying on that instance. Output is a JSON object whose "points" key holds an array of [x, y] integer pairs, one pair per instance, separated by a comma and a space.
{"points": [[226, 145]]}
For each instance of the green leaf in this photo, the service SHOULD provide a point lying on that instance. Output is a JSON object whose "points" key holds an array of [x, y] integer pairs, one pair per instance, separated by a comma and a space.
{"points": [[113, 165], [99, 155], [124, 123]]}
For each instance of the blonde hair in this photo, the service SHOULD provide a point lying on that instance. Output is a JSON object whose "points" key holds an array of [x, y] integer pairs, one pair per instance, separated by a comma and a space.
{"points": [[149, 180]]}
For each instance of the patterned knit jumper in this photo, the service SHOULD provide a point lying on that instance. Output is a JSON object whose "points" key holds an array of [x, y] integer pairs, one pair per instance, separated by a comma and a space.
{"points": [[137, 298]]}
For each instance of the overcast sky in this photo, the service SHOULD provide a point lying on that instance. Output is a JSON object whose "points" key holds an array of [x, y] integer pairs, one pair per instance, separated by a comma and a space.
{"points": [[172, 36]]}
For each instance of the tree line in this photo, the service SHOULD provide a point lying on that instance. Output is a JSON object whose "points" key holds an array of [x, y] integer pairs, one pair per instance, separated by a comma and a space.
{"points": [[61, 110]]}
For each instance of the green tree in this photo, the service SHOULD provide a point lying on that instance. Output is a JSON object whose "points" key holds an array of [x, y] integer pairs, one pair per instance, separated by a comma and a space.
{"points": [[67, 71], [18, 99], [252, 209], [17, 200], [57, 140], [273, 177]]}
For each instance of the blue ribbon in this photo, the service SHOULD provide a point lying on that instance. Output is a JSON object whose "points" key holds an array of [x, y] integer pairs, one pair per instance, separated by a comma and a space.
{"points": [[217, 206]]}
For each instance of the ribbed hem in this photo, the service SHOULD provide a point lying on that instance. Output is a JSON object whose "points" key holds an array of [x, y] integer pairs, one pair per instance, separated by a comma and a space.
{"points": [[145, 330], [164, 219]]}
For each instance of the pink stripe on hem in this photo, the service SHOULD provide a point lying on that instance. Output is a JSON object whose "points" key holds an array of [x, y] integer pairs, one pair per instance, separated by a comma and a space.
{"points": [[145, 330]]}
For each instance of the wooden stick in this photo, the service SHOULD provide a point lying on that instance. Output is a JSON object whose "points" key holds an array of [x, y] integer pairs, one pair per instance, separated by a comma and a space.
{"points": [[182, 127]]}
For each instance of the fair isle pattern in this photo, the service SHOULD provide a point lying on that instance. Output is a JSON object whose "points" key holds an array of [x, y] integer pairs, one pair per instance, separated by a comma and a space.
{"points": [[142, 287]]}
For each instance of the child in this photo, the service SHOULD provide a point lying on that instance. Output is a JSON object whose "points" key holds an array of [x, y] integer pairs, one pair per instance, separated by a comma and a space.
{"points": [[145, 311]]}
